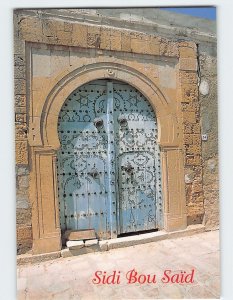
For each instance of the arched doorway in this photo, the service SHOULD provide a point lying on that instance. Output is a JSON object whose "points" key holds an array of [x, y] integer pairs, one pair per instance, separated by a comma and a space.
{"points": [[109, 175], [44, 146]]}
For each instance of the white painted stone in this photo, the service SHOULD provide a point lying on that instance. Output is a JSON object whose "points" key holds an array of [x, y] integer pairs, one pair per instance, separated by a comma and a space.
{"points": [[91, 242], [75, 244], [204, 88]]}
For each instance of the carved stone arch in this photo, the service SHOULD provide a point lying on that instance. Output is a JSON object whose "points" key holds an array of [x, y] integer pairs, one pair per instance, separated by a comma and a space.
{"points": [[63, 87], [45, 142]]}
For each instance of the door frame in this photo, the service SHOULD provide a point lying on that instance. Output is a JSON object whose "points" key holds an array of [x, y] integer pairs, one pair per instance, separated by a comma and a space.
{"points": [[44, 143]]}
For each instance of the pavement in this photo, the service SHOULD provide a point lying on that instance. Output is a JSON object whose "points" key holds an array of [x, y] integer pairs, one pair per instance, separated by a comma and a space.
{"points": [[179, 268]]}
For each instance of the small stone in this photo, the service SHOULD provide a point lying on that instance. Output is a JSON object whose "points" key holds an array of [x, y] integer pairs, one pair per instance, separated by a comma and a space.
{"points": [[23, 181], [212, 164], [204, 88], [187, 179], [22, 202], [22, 171], [75, 244], [91, 242]]}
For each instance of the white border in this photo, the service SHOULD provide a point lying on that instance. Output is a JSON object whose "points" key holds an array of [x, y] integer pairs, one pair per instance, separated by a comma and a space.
{"points": [[7, 163]]}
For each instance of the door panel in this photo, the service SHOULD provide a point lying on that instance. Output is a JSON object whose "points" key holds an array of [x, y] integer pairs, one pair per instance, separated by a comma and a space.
{"points": [[82, 177], [108, 163], [136, 132]]}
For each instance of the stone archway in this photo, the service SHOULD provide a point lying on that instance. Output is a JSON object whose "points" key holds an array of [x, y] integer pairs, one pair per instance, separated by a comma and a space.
{"points": [[44, 144]]}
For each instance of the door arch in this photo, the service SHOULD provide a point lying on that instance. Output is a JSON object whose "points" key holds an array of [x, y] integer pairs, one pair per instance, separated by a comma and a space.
{"points": [[109, 175], [44, 145]]}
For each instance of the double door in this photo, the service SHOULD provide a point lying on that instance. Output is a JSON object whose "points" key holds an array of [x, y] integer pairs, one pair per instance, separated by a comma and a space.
{"points": [[108, 164]]}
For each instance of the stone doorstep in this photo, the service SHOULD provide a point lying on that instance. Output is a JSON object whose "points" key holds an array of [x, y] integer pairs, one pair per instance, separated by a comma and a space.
{"points": [[75, 245], [89, 243], [105, 245], [150, 237]]}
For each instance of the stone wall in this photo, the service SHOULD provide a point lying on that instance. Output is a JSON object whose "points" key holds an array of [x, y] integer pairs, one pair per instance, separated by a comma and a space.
{"points": [[23, 216], [193, 161], [199, 110], [209, 126], [23, 206]]}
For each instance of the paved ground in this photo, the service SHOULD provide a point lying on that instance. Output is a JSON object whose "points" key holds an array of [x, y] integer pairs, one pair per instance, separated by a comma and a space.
{"points": [[71, 278]]}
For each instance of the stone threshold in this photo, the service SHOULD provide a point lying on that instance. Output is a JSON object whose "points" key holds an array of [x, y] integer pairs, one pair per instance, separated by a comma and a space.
{"points": [[107, 245]]}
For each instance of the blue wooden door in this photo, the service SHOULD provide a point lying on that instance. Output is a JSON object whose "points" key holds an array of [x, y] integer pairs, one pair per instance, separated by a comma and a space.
{"points": [[137, 155], [108, 163]]}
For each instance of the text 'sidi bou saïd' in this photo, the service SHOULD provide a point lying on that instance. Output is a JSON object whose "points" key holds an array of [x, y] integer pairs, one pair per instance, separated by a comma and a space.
{"points": [[133, 276]]}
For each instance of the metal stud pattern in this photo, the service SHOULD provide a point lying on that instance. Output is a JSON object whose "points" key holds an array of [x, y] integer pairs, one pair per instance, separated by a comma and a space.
{"points": [[108, 163]]}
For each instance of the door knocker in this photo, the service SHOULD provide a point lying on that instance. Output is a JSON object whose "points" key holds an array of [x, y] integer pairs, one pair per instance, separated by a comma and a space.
{"points": [[122, 120], [93, 173], [98, 122]]}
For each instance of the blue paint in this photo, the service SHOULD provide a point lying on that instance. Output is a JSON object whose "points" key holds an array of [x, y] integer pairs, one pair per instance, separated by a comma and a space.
{"points": [[108, 163]]}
